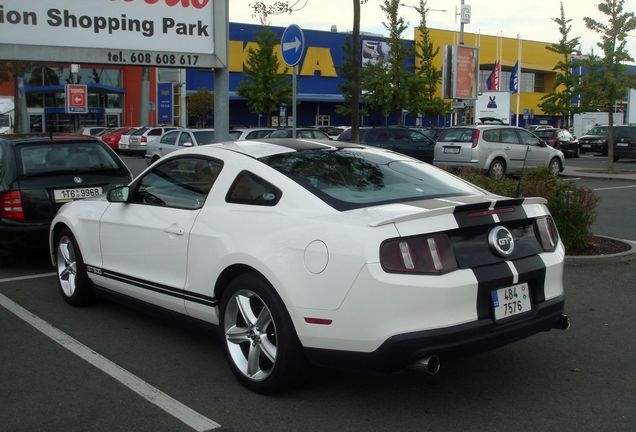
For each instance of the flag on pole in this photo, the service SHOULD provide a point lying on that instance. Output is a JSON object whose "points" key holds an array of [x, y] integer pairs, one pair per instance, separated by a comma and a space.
{"points": [[514, 78], [493, 79]]}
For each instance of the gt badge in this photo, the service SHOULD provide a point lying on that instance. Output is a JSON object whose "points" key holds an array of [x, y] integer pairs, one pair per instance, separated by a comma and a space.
{"points": [[501, 241]]}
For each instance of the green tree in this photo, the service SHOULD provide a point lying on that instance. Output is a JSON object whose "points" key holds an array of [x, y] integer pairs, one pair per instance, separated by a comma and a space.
{"points": [[345, 70], [423, 97], [201, 106], [388, 84], [559, 101], [264, 89], [607, 81]]}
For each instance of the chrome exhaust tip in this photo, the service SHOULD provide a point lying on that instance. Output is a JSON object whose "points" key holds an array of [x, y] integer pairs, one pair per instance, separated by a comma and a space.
{"points": [[430, 365], [563, 323]]}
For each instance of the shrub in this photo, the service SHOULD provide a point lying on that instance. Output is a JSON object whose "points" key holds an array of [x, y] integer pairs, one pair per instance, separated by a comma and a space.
{"points": [[573, 208]]}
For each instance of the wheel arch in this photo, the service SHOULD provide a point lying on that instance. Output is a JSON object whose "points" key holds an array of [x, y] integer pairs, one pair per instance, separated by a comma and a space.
{"points": [[232, 272]]}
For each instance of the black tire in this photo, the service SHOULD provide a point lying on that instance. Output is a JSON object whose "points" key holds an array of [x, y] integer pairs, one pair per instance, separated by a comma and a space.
{"points": [[555, 167], [75, 286], [497, 169], [616, 158], [257, 330]]}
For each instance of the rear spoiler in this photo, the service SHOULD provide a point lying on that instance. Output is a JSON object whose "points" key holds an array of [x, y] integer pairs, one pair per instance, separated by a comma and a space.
{"points": [[451, 209]]}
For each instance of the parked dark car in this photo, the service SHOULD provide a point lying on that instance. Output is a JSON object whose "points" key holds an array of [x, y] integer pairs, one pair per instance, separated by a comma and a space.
{"points": [[624, 142], [402, 140], [560, 139], [40, 173], [594, 141], [307, 133]]}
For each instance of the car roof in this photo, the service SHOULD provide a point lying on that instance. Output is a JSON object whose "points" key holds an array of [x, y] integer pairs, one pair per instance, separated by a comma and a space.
{"points": [[40, 138]]}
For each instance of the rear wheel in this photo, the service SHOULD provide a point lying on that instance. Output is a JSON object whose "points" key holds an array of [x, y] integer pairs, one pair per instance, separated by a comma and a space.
{"points": [[497, 169], [555, 167], [259, 339], [72, 278]]}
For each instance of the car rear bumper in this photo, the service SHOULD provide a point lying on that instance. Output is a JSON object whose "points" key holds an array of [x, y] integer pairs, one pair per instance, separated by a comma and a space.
{"points": [[23, 235], [399, 351]]}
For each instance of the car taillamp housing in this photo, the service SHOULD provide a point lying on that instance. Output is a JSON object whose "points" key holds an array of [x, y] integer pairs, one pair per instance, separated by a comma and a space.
{"points": [[546, 232], [424, 254]]}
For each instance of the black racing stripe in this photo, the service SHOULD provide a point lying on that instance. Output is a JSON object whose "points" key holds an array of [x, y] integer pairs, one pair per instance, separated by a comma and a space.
{"points": [[532, 270], [517, 213], [155, 287], [490, 277], [463, 218]]}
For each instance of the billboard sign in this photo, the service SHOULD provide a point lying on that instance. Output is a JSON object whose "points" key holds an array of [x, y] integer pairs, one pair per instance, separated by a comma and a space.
{"points": [[495, 104], [76, 99], [167, 33], [374, 52], [165, 106], [465, 72]]}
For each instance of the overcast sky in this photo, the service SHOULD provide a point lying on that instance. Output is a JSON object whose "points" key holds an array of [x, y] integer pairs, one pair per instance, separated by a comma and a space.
{"points": [[531, 18]]}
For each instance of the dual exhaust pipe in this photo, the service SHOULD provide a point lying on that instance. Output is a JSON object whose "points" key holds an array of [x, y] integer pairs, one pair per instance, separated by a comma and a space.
{"points": [[431, 364]]}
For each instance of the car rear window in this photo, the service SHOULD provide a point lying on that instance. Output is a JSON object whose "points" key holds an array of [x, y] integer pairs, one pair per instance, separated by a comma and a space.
{"points": [[457, 135], [75, 157], [625, 132], [354, 178], [597, 130]]}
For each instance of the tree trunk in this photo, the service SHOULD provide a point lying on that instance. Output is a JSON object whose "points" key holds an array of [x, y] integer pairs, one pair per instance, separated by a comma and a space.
{"points": [[355, 75]]}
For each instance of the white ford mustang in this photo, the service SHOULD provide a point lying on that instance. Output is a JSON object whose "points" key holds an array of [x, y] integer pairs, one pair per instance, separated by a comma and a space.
{"points": [[318, 252]]}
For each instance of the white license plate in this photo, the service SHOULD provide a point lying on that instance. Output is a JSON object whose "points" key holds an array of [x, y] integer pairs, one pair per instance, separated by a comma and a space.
{"points": [[511, 301], [622, 144], [123, 145], [65, 195], [451, 150], [586, 146]]}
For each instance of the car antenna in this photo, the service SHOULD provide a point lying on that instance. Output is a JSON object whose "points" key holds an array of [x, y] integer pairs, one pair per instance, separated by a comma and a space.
{"points": [[523, 167]]}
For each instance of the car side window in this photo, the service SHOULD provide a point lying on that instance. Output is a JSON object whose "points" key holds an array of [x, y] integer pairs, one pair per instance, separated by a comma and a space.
{"points": [[509, 136], [420, 138], [527, 138], [184, 139], [179, 183], [248, 188], [169, 138], [155, 132], [400, 135], [491, 135]]}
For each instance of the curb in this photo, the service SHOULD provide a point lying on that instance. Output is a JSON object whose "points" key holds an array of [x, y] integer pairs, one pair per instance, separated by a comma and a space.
{"points": [[620, 257]]}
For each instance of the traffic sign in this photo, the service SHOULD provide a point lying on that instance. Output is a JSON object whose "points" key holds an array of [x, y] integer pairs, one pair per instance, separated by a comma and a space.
{"points": [[76, 99], [292, 45]]}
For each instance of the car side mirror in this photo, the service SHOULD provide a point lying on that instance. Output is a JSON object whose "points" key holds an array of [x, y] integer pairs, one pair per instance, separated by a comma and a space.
{"points": [[542, 143], [118, 194]]}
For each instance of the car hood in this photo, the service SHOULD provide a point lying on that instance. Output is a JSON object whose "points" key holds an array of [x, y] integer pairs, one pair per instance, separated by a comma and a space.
{"points": [[422, 209]]}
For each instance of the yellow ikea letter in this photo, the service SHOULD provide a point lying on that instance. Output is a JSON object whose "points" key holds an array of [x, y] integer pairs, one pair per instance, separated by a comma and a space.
{"points": [[318, 59]]}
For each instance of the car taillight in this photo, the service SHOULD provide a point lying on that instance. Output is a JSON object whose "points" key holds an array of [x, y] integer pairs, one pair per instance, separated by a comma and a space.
{"points": [[546, 233], [11, 205], [421, 254], [476, 137], [144, 139], [553, 142]]}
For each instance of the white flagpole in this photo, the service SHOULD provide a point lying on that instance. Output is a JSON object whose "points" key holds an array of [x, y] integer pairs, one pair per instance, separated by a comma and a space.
{"points": [[518, 74]]}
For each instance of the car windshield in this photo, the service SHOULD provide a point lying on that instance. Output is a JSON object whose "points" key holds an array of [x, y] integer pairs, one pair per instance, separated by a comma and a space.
{"points": [[354, 178], [545, 133], [282, 133], [597, 130], [236, 134], [204, 137], [56, 158]]}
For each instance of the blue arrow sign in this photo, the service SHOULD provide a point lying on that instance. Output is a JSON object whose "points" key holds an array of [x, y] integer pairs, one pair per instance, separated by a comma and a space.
{"points": [[292, 45]]}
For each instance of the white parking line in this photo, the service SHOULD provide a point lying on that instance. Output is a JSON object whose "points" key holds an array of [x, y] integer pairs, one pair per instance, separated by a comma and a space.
{"points": [[153, 395], [20, 278], [616, 187]]}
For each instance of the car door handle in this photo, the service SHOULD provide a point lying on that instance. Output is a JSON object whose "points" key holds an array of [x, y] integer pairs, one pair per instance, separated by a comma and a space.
{"points": [[174, 229]]}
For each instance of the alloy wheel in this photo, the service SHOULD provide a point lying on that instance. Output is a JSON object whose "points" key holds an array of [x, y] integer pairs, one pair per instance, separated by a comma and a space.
{"points": [[250, 335], [66, 266]]}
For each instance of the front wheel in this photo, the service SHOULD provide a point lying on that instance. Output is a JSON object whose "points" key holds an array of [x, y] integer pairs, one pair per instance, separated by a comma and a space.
{"points": [[555, 167], [72, 278], [259, 339]]}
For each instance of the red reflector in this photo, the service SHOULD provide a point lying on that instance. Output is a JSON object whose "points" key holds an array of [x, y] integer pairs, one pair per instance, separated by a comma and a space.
{"points": [[320, 321], [491, 212], [11, 205]]}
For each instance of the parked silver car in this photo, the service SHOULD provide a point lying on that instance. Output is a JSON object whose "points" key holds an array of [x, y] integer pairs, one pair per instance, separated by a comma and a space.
{"points": [[241, 134], [139, 140], [175, 140], [497, 150]]}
